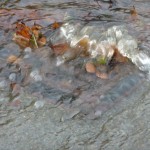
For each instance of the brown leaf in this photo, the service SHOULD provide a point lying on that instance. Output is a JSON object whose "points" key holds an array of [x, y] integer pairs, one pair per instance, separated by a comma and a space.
{"points": [[42, 41], [11, 59], [23, 30], [101, 75], [29, 37], [84, 44], [20, 40], [36, 33], [118, 57], [36, 27], [55, 25], [60, 49], [133, 13]]}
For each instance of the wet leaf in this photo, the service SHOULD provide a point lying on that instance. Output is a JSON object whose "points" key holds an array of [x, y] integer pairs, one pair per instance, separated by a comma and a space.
{"points": [[133, 13], [84, 43], [55, 25], [18, 60], [36, 33], [29, 37], [36, 27], [42, 41], [23, 30], [11, 59], [20, 40], [101, 61], [60, 49], [118, 57], [101, 75]]}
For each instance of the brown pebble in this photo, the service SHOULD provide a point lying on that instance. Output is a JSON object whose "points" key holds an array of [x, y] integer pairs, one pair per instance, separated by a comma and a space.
{"points": [[90, 67], [101, 75], [11, 59]]}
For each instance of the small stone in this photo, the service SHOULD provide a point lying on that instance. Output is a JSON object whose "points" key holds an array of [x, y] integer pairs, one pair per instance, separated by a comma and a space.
{"points": [[3, 84], [39, 104], [90, 67], [12, 77], [28, 50], [26, 56], [98, 113], [35, 75]]}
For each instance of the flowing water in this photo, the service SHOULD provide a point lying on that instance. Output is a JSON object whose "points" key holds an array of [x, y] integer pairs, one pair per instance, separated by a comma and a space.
{"points": [[39, 80]]}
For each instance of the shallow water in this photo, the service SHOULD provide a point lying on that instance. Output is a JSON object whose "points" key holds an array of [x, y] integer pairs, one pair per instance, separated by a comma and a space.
{"points": [[70, 108], [69, 84]]}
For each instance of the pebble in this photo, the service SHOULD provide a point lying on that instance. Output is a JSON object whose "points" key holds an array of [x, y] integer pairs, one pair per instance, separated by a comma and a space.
{"points": [[39, 104], [3, 84], [90, 67], [98, 113], [12, 77], [27, 50], [35, 75]]}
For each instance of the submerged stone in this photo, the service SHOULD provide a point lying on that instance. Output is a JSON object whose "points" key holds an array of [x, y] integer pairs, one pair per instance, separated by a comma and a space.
{"points": [[39, 104]]}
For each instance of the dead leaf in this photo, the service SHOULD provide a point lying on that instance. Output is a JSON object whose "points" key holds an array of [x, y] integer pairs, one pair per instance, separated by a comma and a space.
{"points": [[101, 75], [118, 57], [134, 14], [29, 37], [23, 30], [42, 41], [36, 33], [36, 27], [84, 45], [20, 40], [55, 25], [17, 61], [60, 49], [11, 59]]}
